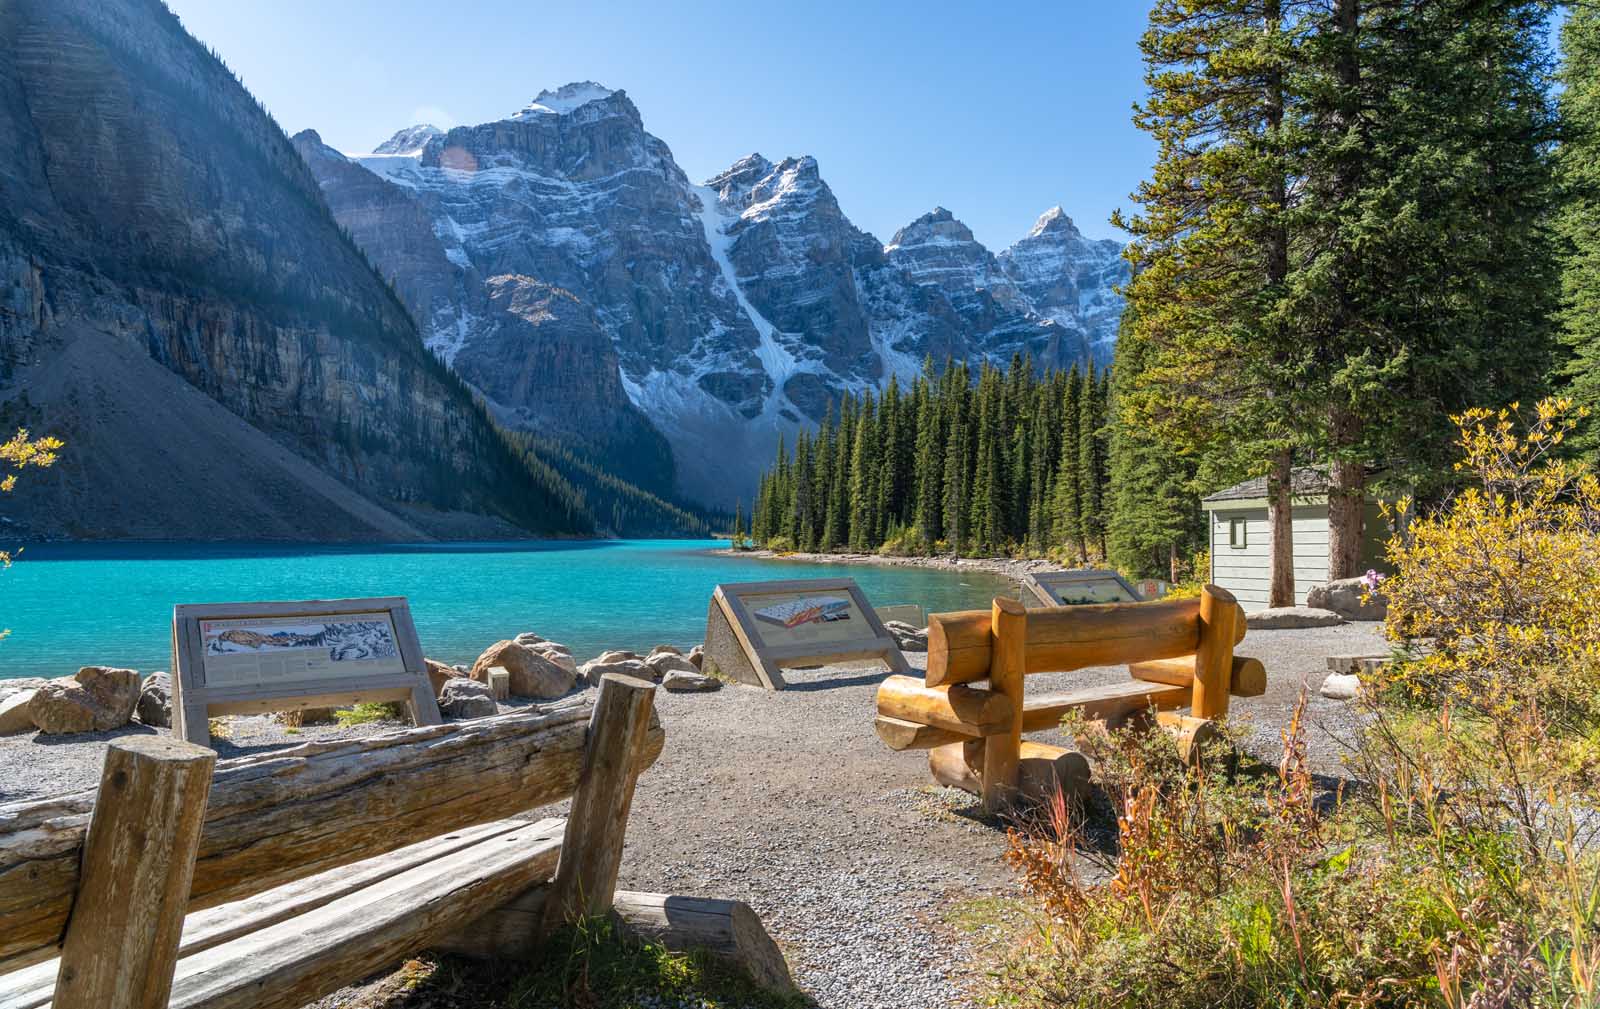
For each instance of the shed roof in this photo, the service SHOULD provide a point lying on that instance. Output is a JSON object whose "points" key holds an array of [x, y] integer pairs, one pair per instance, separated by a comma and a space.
{"points": [[1304, 482]]}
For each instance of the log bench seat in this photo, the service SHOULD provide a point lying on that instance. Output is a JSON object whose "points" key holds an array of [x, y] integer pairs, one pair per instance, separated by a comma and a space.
{"points": [[285, 876], [287, 946]]}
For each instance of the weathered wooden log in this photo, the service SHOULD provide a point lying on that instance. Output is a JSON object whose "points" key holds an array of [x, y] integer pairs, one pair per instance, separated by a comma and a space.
{"points": [[1213, 658], [969, 711], [1110, 702], [727, 929], [1065, 638], [1043, 769], [1002, 750], [122, 941], [1248, 679], [899, 734], [280, 816], [949, 766], [1192, 735], [597, 825]]}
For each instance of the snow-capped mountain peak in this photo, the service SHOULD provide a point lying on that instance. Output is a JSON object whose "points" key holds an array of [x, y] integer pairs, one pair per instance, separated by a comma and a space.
{"points": [[1054, 222], [565, 99], [937, 227], [409, 140]]}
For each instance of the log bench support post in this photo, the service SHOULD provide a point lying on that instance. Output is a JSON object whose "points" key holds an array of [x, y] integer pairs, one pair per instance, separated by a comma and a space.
{"points": [[121, 941], [1002, 751], [591, 854], [1213, 659]]}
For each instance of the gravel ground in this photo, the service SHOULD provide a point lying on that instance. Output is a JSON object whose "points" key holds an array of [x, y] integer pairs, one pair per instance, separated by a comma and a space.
{"points": [[855, 861]]}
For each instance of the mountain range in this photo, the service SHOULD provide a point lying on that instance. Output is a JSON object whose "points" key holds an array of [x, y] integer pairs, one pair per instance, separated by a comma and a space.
{"points": [[565, 266], [532, 326]]}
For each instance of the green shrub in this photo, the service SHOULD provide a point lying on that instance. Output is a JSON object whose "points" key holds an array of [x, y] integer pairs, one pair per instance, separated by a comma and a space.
{"points": [[366, 713]]}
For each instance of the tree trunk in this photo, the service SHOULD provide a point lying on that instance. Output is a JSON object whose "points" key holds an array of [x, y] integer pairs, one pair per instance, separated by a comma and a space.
{"points": [[1172, 563], [1280, 517], [1347, 505]]}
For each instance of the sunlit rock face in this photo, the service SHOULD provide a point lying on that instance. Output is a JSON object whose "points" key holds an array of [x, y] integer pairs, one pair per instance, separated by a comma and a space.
{"points": [[736, 311]]}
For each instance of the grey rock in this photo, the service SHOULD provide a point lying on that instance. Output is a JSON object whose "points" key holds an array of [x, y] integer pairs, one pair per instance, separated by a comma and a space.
{"points": [[14, 715], [527, 638], [667, 662], [616, 655], [1356, 663], [663, 650], [466, 698], [1292, 617], [1341, 686], [907, 637], [94, 699], [697, 656], [1345, 597], [154, 707], [590, 672], [680, 681], [559, 654]]}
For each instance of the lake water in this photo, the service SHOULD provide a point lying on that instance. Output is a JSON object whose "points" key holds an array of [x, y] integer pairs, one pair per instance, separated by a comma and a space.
{"points": [[70, 605]]}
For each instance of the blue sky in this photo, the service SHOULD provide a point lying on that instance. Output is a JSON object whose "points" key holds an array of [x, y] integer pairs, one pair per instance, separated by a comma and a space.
{"points": [[996, 111]]}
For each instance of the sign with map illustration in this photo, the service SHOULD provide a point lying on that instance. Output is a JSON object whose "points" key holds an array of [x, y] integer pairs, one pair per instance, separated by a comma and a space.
{"points": [[1078, 588], [753, 629], [237, 658]]}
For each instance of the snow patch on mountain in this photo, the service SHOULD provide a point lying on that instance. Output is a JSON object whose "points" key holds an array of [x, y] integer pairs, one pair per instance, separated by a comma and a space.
{"points": [[777, 360], [410, 140], [565, 99]]}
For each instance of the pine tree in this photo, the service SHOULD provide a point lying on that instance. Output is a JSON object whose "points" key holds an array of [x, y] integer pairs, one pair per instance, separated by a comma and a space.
{"points": [[1067, 513], [929, 462], [864, 479], [1578, 160]]}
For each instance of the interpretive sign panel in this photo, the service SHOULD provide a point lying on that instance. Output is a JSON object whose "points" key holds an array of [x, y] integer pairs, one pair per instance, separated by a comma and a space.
{"points": [[1078, 588], [246, 658], [753, 629]]}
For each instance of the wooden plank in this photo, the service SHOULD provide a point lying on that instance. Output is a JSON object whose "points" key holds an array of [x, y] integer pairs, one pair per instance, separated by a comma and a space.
{"points": [[899, 734], [1001, 750], [1110, 702], [138, 856], [1248, 679], [31, 987], [1066, 638], [598, 822], [281, 816], [968, 711], [297, 961]]}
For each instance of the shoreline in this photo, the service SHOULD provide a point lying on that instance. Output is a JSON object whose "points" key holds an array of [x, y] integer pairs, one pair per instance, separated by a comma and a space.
{"points": [[1005, 566]]}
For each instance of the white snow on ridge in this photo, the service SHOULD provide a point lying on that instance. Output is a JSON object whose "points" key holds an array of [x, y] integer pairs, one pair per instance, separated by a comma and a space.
{"points": [[565, 99], [778, 362]]}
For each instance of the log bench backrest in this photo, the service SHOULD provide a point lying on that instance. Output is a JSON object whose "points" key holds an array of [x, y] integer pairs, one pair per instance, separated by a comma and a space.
{"points": [[282, 816]]}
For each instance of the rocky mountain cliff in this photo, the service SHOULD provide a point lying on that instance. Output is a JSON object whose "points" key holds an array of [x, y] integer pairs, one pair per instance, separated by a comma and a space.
{"points": [[177, 302], [722, 315]]}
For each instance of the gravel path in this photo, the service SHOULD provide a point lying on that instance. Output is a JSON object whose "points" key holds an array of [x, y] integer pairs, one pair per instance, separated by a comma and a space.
{"points": [[855, 861]]}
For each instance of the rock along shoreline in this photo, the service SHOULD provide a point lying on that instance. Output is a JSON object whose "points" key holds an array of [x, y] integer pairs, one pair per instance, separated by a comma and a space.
{"points": [[1007, 566]]}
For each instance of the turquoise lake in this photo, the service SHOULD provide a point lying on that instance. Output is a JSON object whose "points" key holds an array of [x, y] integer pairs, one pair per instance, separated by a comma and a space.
{"points": [[70, 605]]}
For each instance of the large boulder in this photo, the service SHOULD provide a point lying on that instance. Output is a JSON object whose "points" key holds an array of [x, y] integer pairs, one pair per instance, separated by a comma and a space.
{"points": [[680, 682], [14, 716], [94, 699], [663, 650], [617, 655], [906, 637], [1283, 618], [560, 654], [154, 707], [591, 671], [532, 675], [466, 698], [1345, 597], [697, 656], [662, 663]]}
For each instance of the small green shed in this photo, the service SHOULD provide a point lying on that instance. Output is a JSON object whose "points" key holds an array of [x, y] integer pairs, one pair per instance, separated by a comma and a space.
{"points": [[1241, 539]]}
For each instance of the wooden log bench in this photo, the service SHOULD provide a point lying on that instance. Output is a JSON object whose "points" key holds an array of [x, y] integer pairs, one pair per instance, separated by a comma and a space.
{"points": [[1179, 655], [282, 877]]}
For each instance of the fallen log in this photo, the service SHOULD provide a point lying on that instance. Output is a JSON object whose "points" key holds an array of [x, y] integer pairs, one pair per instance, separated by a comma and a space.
{"points": [[1192, 735], [948, 764], [1040, 769]]}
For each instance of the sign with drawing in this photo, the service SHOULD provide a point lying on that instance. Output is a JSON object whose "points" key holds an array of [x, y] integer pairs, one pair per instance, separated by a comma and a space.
{"points": [[246, 658], [753, 629], [1078, 588]]}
